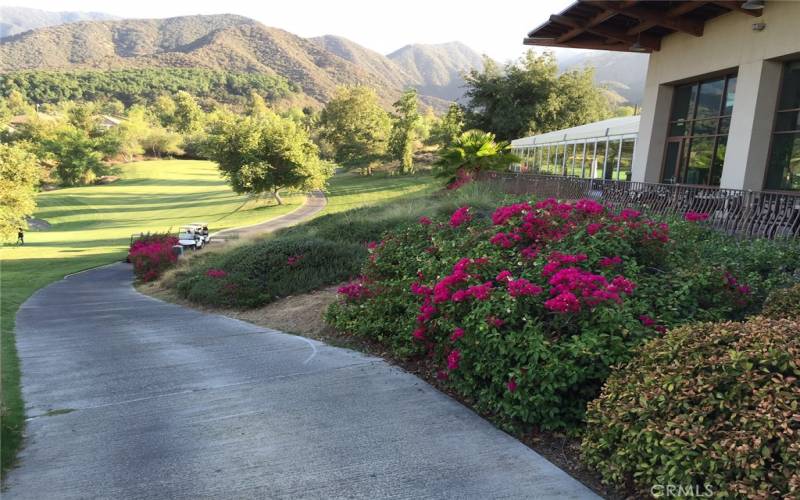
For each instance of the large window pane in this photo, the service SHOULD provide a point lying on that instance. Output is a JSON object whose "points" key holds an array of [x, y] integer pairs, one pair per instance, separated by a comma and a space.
{"points": [[787, 121], [598, 160], [671, 162], [784, 166], [611, 162], [719, 159], [730, 94], [701, 151], [705, 127], [710, 100], [790, 89], [626, 160], [683, 102]]}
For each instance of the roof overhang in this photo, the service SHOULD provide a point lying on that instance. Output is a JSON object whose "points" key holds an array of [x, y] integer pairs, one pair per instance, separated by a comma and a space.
{"points": [[628, 26]]}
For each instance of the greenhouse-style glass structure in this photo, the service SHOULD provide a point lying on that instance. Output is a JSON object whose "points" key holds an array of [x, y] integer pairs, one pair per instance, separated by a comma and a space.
{"points": [[599, 150]]}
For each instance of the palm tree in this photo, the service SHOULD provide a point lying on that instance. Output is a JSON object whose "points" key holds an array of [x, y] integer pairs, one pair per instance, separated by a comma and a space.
{"points": [[473, 152]]}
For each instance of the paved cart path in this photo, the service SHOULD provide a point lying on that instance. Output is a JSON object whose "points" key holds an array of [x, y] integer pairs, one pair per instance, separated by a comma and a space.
{"points": [[315, 202], [131, 397]]}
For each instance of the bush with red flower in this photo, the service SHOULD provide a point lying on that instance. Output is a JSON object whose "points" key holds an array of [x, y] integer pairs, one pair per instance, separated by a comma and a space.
{"points": [[151, 255], [523, 310]]}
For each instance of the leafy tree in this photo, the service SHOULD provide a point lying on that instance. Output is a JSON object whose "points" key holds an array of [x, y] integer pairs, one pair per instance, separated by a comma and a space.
{"points": [[159, 141], [266, 154], [355, 127], [448, 128], [19, 174], [471, 153], [131, 132], [188, 114], [404, 130], [258, 106], [529, 97], [75, 153], [164, 109]]}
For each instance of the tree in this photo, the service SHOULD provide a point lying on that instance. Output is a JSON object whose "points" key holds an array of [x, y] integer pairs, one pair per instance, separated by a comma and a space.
{"points": [[266, 154], [404, 130], [164, 110], [160, 141], [76, 154], [448, 128], [529, 97], [355, 127], [471, 153], [19, 174], [129, 134], [258, 106], [188, 114]]}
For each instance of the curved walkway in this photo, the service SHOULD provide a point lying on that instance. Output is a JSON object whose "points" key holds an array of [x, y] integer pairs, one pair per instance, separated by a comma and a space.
{"points": [[131, 397], [315, 202]]}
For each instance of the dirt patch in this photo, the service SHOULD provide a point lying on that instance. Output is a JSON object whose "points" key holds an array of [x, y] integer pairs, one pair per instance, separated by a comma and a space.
{"points": [[301, 315], [106, 179]]}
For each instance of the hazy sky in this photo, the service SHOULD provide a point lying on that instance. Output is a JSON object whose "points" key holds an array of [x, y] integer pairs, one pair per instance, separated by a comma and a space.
{"points": [[494, 27]]}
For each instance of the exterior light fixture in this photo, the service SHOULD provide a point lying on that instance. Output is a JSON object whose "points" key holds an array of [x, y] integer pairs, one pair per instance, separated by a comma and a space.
{"points": [[753, 5], [637, 46]]}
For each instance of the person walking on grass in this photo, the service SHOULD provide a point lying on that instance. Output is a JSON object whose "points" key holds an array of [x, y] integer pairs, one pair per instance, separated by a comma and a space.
{"points": [[20, 237]]}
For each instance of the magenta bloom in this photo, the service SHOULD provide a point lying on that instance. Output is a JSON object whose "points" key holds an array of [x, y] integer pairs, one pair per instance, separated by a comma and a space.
{"points": [[523, 287], [647, 320], [453, 358], [294, 260], [419, 333], [460, 217], [563, 303], [695, 216], [495, 321], [512, 385], [610, 261], [425, 221], [216, 273], [503, 214], [457, 334], [589, 207], [593, 228]]}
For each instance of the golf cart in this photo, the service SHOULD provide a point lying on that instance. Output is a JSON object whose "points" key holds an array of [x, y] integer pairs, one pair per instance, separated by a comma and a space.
{"points": [[201, 228], [191, 237]]}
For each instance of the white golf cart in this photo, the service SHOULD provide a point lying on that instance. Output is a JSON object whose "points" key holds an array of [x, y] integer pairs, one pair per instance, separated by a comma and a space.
{"points": [[201, 228], [191, 237]]}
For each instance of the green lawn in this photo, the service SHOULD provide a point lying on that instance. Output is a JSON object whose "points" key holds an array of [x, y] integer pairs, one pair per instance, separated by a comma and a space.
{"points": [[92, 225], [351, 190]]}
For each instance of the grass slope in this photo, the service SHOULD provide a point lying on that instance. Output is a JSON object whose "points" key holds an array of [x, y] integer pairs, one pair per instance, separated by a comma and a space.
{"points": [[92, 225]]}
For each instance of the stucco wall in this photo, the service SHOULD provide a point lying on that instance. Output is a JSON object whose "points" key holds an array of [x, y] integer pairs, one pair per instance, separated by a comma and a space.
{"points": [[728, 42]]}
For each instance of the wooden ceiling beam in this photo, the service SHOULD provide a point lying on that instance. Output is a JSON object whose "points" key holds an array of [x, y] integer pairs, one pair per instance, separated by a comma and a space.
{"points": [[577, 44], [683, 8], [737, 7], [690, 26], [594, 21], [649, 42]]}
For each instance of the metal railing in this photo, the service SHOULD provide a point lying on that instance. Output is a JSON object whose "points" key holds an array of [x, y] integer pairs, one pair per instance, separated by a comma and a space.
{"points": [[751, 214]]}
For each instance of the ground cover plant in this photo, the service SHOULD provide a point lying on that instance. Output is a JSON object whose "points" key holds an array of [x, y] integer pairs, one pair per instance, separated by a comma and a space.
{"points": [[325, 251], [522, 310]]}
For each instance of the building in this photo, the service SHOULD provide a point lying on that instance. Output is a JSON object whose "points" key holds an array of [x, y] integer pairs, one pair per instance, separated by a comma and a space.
{"points": [[721, 105]]}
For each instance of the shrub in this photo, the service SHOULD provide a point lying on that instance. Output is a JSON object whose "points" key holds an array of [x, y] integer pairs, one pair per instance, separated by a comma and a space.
{"points": [[524, 309], [783, 303], [256, 274], [708, 404], [151, 255]]}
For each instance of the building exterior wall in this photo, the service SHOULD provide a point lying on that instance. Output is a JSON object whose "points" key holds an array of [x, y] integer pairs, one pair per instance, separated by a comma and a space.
{"points": [[728, 42]]}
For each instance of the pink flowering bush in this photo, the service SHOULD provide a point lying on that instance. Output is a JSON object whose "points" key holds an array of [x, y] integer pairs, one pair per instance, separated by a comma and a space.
{"points": [[525, 308], [151, 255]]}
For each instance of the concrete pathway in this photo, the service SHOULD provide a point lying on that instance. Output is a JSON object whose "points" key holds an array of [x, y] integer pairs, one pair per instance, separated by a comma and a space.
{"points": [[315, 201], [131, 397]]}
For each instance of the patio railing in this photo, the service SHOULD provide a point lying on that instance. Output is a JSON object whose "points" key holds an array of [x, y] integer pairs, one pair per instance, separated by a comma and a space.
{"points": [[751, 214]]}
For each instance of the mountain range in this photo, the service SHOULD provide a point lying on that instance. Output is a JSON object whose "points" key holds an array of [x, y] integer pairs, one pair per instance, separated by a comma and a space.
{"points": [[235, 43]]}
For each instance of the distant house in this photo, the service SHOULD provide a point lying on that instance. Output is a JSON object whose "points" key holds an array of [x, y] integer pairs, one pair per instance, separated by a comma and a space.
{"points": [[108, 121], [721, 101], [20, 121]]}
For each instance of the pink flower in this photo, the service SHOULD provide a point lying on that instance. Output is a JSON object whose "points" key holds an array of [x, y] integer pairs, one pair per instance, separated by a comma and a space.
{"points": [[419, 333], [294, 260], [459, 217], [647, 320], [628, 214], [512, 385], [457, 334], [563, 302], [495, 321], [523, 287], [216, 273], [503, 276], [505, 240], [529, 253], [593, 228], [589, 207], [355, 291], [372, 245], [692, 216], [452, 359], [503, 214], [425, 221], [610, 261], [418, 289]]}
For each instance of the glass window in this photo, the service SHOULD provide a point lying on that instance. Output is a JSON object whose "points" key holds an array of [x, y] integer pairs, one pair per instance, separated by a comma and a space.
{"points": [[599, 160], [584, 150], [626, 160], [783, 169], [612, 153], [698, 131]]}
